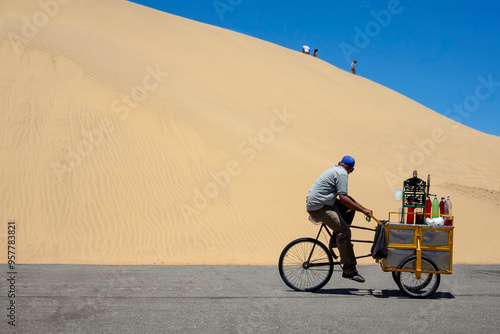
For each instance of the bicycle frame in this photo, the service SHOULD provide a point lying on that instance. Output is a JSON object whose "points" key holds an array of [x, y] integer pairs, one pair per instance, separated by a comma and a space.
{"points": [[330, 234]]}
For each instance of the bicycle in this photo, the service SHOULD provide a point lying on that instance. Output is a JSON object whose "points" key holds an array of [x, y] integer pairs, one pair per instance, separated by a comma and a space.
{"points": [[306, 264]]}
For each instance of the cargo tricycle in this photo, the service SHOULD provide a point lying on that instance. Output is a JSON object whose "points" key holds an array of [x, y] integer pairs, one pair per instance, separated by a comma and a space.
{"points": [[417, 254]]}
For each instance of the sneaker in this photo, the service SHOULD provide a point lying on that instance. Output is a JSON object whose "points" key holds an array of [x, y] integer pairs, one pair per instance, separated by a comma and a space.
{"points": [[355, 277]]}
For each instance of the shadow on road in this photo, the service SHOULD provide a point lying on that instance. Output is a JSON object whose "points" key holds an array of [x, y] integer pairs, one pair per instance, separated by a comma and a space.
{"points": [[380, 293]]}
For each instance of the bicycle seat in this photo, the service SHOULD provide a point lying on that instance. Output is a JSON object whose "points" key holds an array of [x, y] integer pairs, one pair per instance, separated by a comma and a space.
{"points": [[314, 221]]}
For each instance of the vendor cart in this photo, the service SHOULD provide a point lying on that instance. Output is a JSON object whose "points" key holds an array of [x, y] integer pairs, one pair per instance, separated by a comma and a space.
{"points": [[417, 254]]}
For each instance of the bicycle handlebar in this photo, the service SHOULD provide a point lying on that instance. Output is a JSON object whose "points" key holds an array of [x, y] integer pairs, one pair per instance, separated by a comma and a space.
{"points": [[370, 216]]}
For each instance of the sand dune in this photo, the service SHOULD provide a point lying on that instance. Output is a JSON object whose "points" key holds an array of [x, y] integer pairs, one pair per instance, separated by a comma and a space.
{"points": [[131, 136]]}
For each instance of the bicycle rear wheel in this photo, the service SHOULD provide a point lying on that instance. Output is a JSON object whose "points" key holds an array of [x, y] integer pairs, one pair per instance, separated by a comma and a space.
{"points": [[305, 265]]}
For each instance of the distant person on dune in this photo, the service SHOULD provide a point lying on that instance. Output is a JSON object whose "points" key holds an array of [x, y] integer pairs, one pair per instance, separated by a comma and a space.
{"points": [[305, 49], [353, 66], [323, 205], [315, 52]]}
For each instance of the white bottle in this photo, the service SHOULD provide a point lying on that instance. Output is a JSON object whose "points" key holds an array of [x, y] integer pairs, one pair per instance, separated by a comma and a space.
{"points": [[448, 221]]}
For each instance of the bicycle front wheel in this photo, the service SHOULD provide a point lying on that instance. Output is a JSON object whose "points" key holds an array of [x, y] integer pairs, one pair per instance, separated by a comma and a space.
{"points": [[306, 265]]}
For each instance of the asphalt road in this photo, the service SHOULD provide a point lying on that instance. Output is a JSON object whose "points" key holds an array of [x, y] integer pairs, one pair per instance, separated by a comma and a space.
{"points": [[239, 299]]}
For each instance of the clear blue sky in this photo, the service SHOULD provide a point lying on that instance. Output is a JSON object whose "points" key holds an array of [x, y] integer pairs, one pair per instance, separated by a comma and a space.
{"points": [[442, 54]]}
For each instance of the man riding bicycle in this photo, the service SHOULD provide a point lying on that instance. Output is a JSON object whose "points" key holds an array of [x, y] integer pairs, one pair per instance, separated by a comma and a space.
{"points": [[322, 205]]}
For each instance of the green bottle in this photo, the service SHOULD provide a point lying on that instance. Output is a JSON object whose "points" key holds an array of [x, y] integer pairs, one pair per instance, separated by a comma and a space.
{"points": [[435, 207]]}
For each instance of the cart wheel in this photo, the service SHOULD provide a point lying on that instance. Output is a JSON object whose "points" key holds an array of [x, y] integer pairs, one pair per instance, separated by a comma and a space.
{"points": [[395, 277], [408, 282], [305, 265]]}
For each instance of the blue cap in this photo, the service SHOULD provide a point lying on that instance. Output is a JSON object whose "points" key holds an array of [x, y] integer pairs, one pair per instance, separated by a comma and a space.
{"points": [[348, 160]]}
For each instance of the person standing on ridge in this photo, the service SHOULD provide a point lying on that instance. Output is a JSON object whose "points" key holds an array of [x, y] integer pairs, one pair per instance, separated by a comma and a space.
{"points": [[305, 49], [315, 52], [353, 66], [323, 206]]}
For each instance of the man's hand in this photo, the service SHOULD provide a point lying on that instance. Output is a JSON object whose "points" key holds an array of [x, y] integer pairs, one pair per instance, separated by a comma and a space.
{"points": [[367, 212]]}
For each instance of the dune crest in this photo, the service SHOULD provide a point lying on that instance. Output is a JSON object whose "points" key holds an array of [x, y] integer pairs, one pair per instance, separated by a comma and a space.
{"points": [[132, 136]]}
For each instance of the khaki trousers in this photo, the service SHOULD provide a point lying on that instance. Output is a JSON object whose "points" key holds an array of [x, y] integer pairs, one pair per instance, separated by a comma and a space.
{"points": [[333, 217]]}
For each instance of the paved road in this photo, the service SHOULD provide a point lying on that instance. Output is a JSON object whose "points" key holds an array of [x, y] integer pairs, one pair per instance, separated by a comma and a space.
{"points": [[240, 299]]}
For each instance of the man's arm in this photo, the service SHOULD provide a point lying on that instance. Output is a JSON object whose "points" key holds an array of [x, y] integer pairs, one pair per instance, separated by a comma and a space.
{"points": [[352, 204]]}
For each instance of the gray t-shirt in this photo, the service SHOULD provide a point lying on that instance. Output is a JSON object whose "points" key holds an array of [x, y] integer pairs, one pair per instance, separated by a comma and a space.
{"points": [[324, 191]]}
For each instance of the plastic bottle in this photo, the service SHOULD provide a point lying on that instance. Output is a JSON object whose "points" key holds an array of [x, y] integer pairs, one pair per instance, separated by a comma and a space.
{"points": [[448, 221], [435, 207], [428, 207], [410, 213], [441, 206], [410, 217], [419, 216]]}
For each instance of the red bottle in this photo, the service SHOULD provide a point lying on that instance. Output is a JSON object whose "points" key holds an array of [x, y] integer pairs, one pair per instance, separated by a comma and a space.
{"points": [[428, 207], [441, 206], [410, 217]]}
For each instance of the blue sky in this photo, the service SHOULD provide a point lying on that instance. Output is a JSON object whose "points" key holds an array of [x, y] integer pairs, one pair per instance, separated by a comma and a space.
{"points": [[442, 54]]}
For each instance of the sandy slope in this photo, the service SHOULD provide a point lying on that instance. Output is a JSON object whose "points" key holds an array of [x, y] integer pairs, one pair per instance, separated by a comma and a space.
{"points": [[132, 136]]}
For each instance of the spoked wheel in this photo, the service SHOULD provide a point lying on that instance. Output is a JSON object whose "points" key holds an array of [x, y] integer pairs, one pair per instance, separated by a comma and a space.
{"points": [[305, 265], [396, 278], [408, 283]]}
